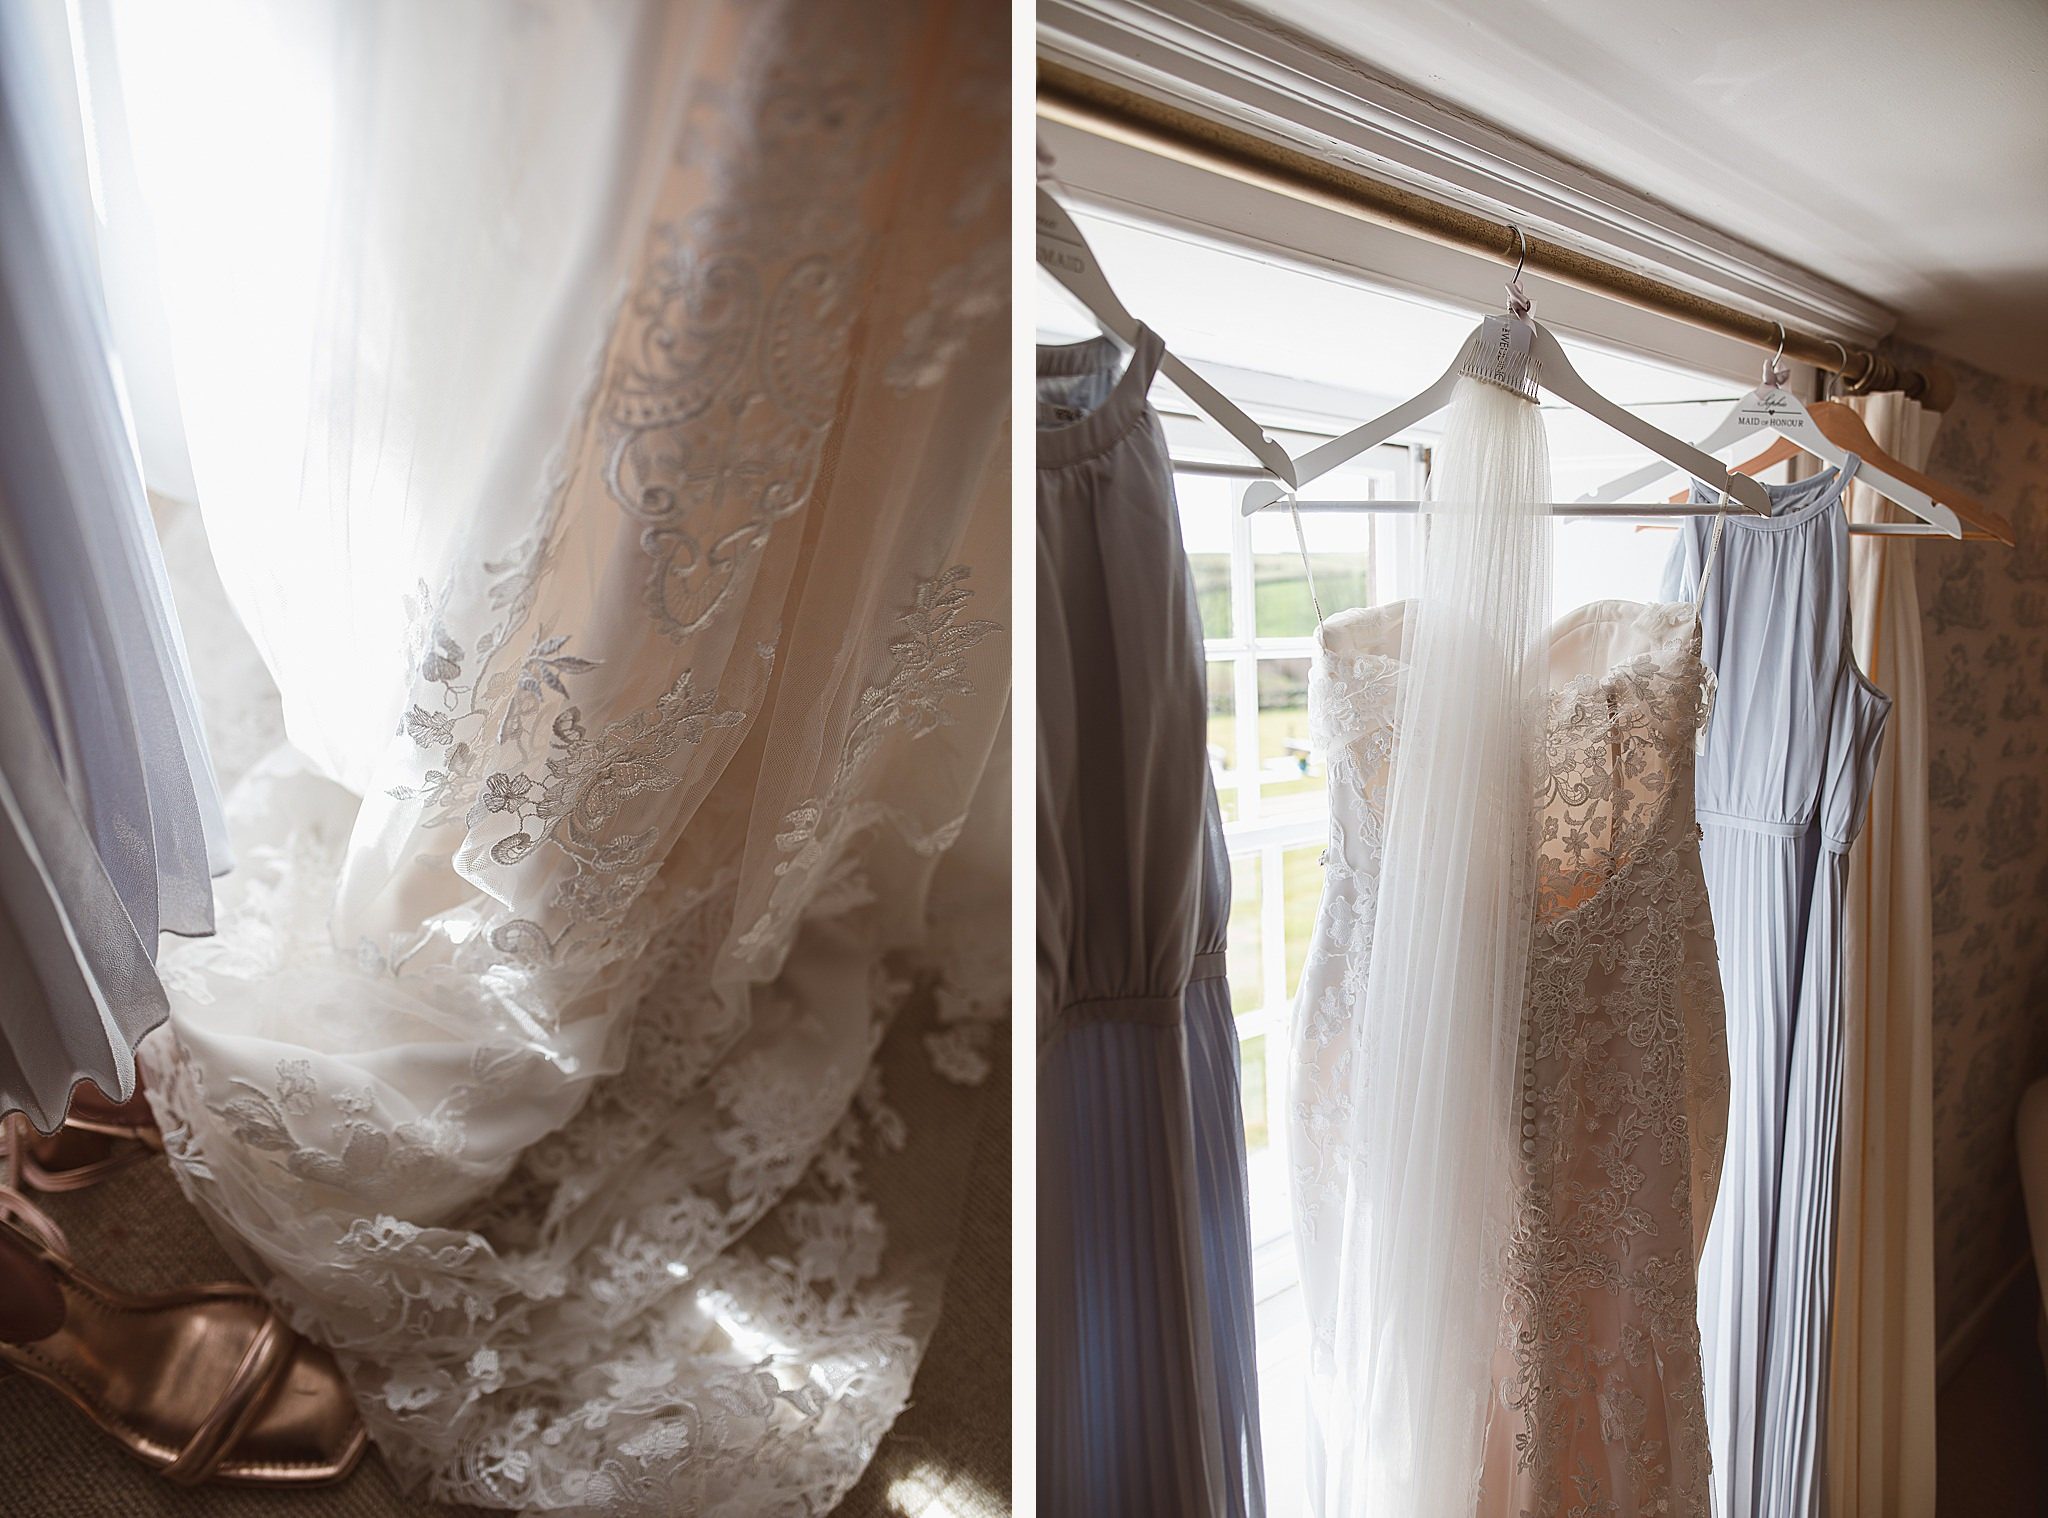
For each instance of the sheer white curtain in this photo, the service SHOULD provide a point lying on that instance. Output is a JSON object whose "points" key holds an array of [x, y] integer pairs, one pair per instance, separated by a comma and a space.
{"points": [[599, 415], [1427, 1194]]}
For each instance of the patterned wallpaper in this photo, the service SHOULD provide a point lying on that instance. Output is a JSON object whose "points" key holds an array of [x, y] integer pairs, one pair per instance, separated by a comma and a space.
{"points": [[1985, 615]]}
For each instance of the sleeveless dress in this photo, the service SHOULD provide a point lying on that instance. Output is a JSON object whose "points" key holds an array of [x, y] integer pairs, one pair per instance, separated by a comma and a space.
{"points": [[1147, 1383], [1597, 1405], [1783, 786]]}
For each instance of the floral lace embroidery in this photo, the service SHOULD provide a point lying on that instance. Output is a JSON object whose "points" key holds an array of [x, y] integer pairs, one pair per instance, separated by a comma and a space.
{"points": [[797, 1329], [718, 411], [930, 667], [574, 801], [1624, 1079]]}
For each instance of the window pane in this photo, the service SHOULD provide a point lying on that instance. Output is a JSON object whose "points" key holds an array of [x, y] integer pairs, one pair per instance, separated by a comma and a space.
{"points": [[1223, 733], [1284, 609], [1340, 553], [1205, 530], [1301, 885], [1341, 548], [1252, 1063], [1290, 776], [1245, 965]]}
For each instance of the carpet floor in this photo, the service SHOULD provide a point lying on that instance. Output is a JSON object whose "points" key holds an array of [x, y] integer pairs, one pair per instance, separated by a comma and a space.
{"points": [[948, 1455], [1991, 1419]]}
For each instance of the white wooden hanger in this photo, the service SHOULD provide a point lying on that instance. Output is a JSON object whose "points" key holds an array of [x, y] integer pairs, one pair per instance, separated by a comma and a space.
{"points": [[1064, 253], [1772, 408], [1519, 353]]}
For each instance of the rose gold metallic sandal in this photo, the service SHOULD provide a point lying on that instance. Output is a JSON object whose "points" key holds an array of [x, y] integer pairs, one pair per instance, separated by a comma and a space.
{"points": [[99, 1137], [205, 1384]]}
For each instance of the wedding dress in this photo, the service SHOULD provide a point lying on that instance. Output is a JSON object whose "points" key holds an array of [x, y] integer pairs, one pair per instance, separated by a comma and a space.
{"points": [[603, 441], [1596, 1402], [1624, 1073]]}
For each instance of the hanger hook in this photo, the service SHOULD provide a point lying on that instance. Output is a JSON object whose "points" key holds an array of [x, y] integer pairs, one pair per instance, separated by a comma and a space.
{"points": [[1834, 381], [1046, 176], [1774, 366], [1518, 300]]}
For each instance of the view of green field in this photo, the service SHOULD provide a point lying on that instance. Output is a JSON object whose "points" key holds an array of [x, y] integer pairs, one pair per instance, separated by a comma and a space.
{"points": [[1280, 596]]}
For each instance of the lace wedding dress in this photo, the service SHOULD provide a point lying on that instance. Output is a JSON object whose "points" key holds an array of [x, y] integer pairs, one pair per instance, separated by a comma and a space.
{"points": [[590, 1049], [1597, 1405]]}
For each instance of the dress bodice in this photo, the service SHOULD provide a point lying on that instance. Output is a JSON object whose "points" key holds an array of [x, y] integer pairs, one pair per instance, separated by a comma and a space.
{"points": [[1618, 733], [1775, 627]]}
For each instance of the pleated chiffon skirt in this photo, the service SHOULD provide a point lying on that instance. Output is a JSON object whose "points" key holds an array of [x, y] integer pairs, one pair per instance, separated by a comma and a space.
{"points": [[1149, 1402], [110, 826]]}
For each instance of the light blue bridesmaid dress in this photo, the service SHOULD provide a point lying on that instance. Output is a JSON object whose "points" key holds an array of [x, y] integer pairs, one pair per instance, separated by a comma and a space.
{"points": [[1783, 783]]}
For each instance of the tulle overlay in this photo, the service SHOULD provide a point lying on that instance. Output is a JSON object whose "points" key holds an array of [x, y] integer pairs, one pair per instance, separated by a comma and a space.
{"points": [[1409, 1042], [560, 1076]]}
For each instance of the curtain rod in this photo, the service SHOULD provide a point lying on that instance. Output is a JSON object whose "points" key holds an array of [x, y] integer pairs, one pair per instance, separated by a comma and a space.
{"points": [[1650, 520], [1075, 99]]}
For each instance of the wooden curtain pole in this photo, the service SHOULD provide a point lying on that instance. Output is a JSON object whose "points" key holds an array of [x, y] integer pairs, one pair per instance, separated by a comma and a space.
{"points": [[1106, 110]]}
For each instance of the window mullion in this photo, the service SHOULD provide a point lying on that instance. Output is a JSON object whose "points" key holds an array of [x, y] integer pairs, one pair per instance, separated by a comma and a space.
{"points": [[1272, 933], [1245, 683]]}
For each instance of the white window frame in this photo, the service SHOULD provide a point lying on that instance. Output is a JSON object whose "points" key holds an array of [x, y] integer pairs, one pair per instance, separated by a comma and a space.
{"points": [[1125, 183], [1268, 835], [1122, 181]]}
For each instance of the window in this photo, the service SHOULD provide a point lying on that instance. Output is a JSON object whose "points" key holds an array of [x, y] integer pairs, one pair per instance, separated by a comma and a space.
{"points": [[1258, 621], [1309, 353]]}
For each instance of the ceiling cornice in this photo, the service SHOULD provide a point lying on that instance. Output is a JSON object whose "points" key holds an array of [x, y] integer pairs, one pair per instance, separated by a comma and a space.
{"points": [[1237, 67]]}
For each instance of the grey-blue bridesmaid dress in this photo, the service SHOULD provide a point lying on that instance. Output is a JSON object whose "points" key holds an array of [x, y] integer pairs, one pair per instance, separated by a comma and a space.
{"points": [[110, 827], [1783, 784], [1147, 1385]]}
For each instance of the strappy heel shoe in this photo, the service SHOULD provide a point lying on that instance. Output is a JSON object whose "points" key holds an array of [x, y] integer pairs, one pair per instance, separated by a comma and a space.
{"points": [[204, 1384], [99, 1138]]}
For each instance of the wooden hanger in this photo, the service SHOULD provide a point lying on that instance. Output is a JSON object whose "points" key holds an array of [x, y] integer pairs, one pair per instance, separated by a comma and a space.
{"points": [[1783, 450], [1830, 431], [1846, 430]]}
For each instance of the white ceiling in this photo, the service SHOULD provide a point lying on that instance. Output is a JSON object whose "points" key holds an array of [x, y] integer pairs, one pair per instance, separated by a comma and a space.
{"points": [[1894, 146]]}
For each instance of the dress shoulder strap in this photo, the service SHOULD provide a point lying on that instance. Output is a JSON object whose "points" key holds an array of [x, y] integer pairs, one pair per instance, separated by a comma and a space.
{"points": [[1699, 600], [1308, 574], [1146, 353]]}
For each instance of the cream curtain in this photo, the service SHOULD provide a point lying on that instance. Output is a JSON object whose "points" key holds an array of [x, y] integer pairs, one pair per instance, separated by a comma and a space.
{"points": [[1880, 1410]]}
